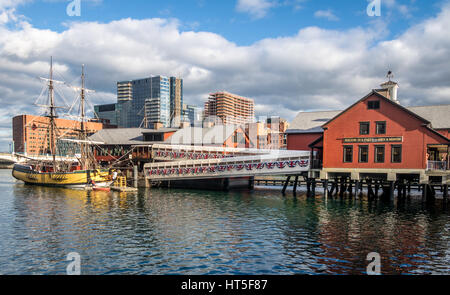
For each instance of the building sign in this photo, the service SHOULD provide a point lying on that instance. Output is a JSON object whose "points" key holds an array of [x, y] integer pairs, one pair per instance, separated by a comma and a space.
{"points": [[372, 139]]}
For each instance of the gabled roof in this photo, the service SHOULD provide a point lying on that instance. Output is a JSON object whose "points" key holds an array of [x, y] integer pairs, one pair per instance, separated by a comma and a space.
{"points": [[160, 130], [312, 122], [374, 92], [120, 136], [438, 115]]}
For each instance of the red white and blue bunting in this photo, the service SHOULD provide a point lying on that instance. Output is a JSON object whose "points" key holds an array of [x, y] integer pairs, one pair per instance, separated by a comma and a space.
{"points": [[228, 167], [189, 155]]}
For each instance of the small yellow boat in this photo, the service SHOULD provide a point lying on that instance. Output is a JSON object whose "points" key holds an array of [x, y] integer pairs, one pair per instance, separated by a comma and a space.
{"points": [[81, 178]]}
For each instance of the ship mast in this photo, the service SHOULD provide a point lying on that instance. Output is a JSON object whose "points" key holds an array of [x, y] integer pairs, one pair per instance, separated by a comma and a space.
{"points": [[84, 152], [52, 115]]}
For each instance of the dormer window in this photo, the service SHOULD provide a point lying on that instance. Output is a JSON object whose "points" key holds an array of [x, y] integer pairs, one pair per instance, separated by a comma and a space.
{"points": [[373, 105]]}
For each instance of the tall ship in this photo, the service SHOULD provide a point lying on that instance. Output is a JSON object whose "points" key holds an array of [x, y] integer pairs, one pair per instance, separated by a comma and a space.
{"points": [[80, 171]]}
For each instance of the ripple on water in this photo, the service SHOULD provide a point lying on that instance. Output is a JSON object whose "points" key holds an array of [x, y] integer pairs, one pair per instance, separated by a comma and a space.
{"points": [[197, 232]]}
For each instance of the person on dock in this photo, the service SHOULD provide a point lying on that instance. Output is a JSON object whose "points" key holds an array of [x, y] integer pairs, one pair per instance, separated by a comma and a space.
{"points": [[114, 175]]}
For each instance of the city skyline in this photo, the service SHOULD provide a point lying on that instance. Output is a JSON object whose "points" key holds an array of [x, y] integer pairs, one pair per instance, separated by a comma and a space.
{"points": [[331, 53]]}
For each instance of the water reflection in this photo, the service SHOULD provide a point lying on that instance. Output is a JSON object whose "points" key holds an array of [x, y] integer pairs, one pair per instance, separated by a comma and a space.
{"points": [[198, 232]]}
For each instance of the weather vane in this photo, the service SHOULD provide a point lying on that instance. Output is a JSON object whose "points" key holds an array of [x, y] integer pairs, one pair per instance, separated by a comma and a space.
{"points": [[390, 75]]}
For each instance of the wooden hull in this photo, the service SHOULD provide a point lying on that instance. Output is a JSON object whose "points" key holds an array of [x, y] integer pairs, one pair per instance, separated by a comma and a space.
{"points": [[61, 179]]}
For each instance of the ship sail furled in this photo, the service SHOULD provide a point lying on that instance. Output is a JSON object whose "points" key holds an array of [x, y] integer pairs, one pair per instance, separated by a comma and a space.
{"points": [[64, 174]]}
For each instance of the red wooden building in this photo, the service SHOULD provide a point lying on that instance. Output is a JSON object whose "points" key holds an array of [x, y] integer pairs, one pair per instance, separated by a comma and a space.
{"points": [[377, 137]]}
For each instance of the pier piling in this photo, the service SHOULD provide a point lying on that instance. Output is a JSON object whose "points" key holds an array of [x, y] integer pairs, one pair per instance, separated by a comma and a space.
{"points": [[424, 193], [295, 185], [135, 176], [285, 185], [313, 187], [392, 191], [308, 186]]}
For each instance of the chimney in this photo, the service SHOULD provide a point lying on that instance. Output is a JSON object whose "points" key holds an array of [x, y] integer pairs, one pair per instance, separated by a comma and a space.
{"points": [[391, 88]]}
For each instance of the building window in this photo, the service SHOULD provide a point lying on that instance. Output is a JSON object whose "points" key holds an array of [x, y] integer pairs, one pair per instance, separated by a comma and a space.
{"points": [[381, 128], [396, 151], [379, 153], [364, 128], [363, 153], [348, 154], [373, 105]]}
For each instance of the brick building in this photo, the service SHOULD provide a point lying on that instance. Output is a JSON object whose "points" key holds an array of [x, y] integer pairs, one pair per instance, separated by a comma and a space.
{"points": [[31, 133], [376, 136]]}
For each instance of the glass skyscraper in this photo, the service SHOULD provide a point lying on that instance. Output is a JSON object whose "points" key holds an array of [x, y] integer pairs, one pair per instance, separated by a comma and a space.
{"points": [[143, 102]]}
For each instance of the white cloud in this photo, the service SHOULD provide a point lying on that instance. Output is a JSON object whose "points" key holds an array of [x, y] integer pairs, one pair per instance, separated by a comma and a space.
{"points": [[393, 7], [327, 14], [256, 8], [310, 70], [4, 4]]}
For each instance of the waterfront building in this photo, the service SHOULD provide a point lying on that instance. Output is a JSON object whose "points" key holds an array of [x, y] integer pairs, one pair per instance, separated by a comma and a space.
{"points": [[31, 137], [230, 108], [277, 127], [127, 144], [230, 135], [269, 134], [376, 136], [145, 102]]}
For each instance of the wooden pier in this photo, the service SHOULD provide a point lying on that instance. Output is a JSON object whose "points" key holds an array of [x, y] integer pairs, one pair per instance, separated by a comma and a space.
{"points": [[124, 189], [120, 185], [344, 186]]}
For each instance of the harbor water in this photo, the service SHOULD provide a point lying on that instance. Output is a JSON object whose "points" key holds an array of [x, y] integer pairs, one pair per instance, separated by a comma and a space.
{"points": [[188, 232]]}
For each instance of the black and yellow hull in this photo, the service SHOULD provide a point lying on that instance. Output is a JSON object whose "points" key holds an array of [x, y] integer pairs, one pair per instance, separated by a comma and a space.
{"points": [[61, 179]]}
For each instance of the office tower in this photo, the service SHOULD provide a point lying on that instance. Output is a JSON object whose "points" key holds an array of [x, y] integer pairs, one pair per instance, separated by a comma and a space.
{"points": [[107, 112], [230, 108], [176, 101], [145, 102]]}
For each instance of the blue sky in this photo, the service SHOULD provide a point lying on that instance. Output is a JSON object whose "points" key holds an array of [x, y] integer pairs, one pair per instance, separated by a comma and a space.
{"points": [[284, 18], [288, 55]]}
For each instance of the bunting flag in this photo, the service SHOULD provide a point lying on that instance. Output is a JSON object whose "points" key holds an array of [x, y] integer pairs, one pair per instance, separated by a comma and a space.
{"points": [[249, 167], [281, 165], [229, 167], [270, 165], [260, 165]]}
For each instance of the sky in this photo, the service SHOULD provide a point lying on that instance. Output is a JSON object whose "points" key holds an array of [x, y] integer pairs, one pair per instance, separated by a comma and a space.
{"points": [[288, 55]]}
